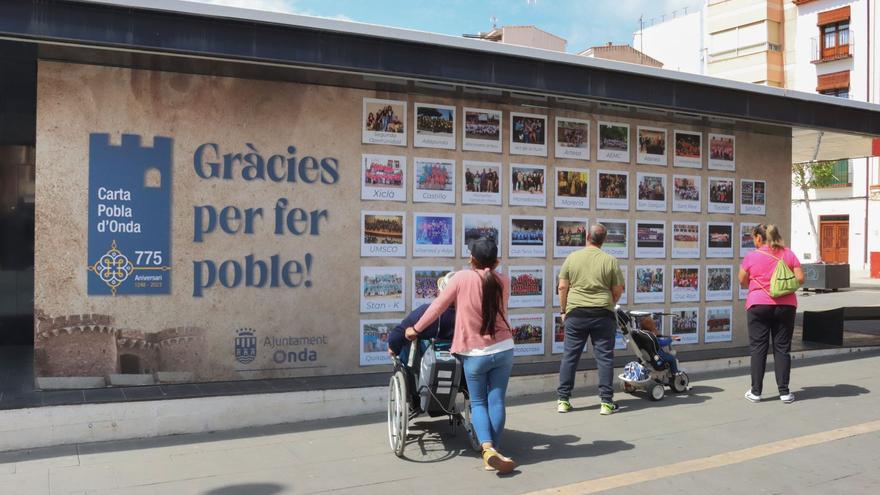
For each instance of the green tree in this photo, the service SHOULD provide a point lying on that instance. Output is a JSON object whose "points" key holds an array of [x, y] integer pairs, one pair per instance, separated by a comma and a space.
{"points": [[813, 175]]}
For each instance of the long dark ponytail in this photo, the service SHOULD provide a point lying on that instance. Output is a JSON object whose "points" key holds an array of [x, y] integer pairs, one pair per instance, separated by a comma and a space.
{"points": [[493, 301]]}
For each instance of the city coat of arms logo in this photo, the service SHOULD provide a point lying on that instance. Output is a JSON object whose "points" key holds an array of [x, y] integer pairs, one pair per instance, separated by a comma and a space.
{"points": [[245, 345]]}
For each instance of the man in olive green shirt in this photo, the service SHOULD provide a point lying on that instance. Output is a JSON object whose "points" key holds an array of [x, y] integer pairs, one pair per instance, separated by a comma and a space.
{"points": [[590, 283]]}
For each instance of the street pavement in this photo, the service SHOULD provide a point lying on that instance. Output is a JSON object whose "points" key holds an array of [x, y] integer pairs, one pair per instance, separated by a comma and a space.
{"points": [[710, 440]]}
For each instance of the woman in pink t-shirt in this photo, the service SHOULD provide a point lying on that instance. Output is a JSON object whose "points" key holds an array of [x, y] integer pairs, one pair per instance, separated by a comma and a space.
{"points": [[482, 341], [768, 316]]}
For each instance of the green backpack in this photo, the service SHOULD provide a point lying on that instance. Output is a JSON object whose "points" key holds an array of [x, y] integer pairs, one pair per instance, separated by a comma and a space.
{"points": [[782, 282]]}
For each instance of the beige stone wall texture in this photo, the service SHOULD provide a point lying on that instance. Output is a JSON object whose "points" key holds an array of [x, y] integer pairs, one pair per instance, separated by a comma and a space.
{"points": [[320, 121]]}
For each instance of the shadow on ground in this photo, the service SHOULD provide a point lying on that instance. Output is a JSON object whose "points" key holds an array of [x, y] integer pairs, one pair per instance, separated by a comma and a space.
{"points": [[530, 448], [839, 390], [248, 489]]}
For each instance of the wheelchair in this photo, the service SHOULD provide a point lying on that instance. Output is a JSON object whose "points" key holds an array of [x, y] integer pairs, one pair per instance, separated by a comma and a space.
{"points": [[644, 345], [429, 382]]}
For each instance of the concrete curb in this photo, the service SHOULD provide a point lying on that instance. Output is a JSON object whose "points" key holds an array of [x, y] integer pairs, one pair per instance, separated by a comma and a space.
{"points": [[71, 424]]}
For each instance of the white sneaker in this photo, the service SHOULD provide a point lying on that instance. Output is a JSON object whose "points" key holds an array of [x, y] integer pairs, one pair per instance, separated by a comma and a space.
{"points": [[752, 397], [787, 398]]}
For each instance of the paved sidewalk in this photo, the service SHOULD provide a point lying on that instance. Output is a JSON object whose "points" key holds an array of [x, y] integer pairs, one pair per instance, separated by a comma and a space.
{"points": [[352, 456]]}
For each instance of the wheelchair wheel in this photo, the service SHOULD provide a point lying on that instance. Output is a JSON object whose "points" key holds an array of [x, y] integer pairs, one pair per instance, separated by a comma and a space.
{"points": [[680, 382], [656, 391], [469, 426], [398, 412]]}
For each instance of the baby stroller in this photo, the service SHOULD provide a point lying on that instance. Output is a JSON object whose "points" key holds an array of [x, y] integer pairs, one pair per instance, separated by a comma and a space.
{"points": [[652, 374], [427, 383]]}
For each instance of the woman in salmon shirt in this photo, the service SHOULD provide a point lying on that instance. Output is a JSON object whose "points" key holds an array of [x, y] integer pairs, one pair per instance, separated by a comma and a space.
{"points": [[483, 341], [768, 316]]}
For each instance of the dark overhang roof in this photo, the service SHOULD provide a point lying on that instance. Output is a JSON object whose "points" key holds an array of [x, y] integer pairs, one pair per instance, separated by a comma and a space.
{"points": [[145, 33]]}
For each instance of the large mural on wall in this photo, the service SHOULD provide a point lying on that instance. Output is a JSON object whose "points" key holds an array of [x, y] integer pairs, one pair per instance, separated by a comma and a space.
{"points": [[197, 228]]}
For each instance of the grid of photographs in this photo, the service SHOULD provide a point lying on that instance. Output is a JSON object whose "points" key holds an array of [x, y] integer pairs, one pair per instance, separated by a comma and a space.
{"points": [[722, 152], [387, 289], [572, 188], [572, 138], [652, 146]]}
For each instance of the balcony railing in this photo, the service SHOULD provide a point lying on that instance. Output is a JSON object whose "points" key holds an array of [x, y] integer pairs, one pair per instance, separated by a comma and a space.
{"points": [[839, 51]]}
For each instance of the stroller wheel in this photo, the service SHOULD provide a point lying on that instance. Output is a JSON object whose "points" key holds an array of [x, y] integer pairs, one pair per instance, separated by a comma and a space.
{"points": [[680, 382], [656, 392]]}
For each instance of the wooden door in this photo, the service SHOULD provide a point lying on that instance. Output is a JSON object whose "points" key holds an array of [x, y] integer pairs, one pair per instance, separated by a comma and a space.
{"points": [[834, 241]]}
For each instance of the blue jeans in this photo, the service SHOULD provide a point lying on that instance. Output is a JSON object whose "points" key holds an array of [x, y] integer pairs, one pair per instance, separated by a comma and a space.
{"points": [[487, 378]]}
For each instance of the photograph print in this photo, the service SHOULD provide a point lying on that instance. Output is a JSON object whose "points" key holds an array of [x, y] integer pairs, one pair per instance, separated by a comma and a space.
{"points": [[719, 324], [652, 146], [383, 178], [572, 138], [383, 233], [482, 130], [570, 234], [384, 122], [685, 283], [555, 287], [688, 149], [382, 289], [435, 126], [722, 152], [650, 191], [433, 180], [649, 286], [721, 194], [753, 197], [719, 283], [686, 193], [527, 185], [613, 143], [558, 345], [526, 286], [746, 243], [719, 240], [527, 237], [686, 325], [528, 334], [482, 183], [650, 239], [374, 341], [434, 235], [572, 187], [528, 134], [475, 226], [624, 270], [616, 237], [611, 186], [425, 283], [685, 240]]}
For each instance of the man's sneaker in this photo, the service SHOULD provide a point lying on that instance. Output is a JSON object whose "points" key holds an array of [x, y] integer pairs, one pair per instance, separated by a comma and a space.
{"points": [[563, 406], [787, 398], [607, 408], [752, 397]]}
